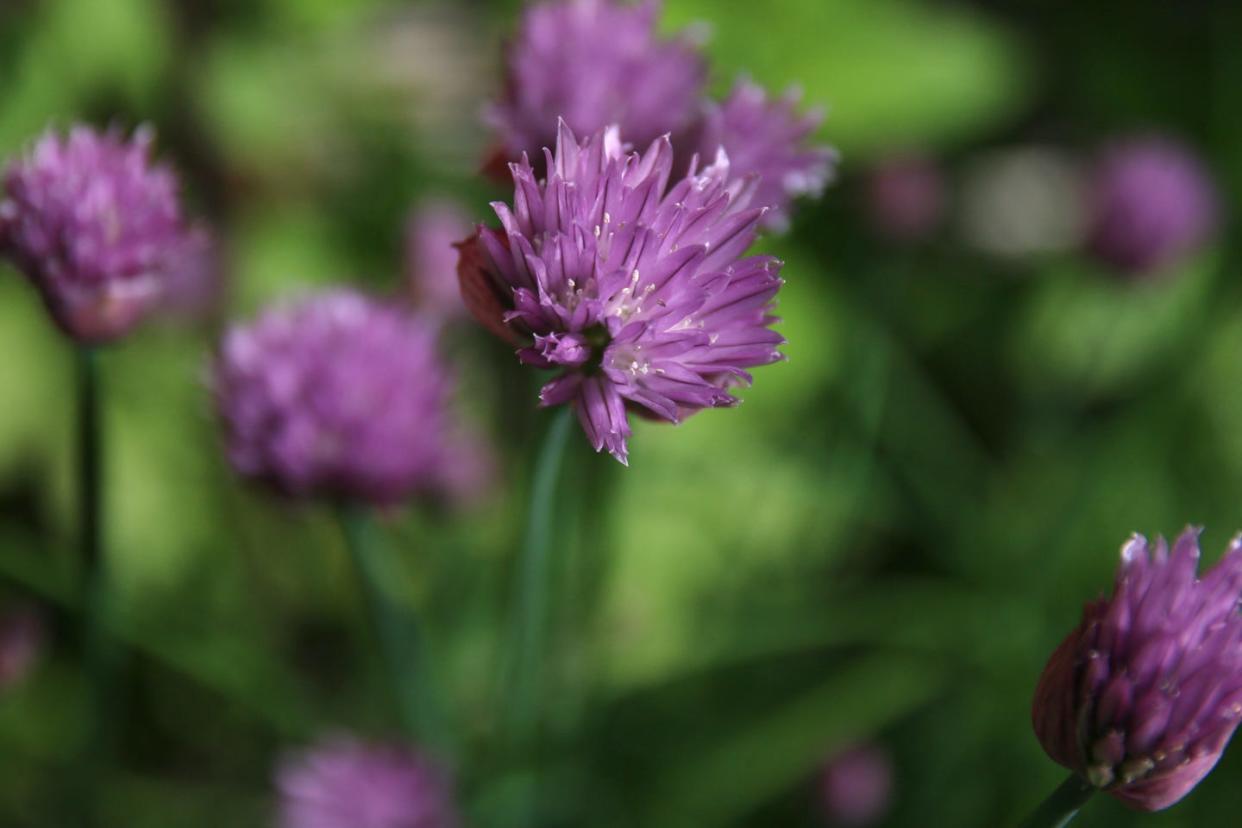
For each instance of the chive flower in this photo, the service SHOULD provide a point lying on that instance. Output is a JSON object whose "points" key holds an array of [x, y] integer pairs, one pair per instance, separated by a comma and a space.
{"points": [[1141, 699], [1151, 202], [599, 63], [337, 395], [342, 782], [595, 63], [769, 138], [97, 227], [637, 293]]}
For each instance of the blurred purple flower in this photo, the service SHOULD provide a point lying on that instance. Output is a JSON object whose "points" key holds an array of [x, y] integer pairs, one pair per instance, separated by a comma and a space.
{"points": [[636, 292], [1151, 202], [595, 63], [905, 197], [96, 227], [768, 138], [856, 786], [1143, 696], [345, 783], [432, 233], [338, 395], [600, 63], [21, 641]]}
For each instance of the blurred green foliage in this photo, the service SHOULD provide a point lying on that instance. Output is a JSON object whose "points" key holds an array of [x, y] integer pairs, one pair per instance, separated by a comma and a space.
{"points": [[884, 542]]}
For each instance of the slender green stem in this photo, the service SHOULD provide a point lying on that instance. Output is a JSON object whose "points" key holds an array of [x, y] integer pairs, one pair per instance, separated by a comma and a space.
{"points": [[395, 625], [1062, 805], [530, 606], [90, 463], [99, 659]]}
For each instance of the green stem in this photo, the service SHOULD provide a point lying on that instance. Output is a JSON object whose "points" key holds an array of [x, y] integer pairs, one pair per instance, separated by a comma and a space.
{"points": [[90, 462], [98, 657], [395, 625], [531, 598], [1062, 805]]}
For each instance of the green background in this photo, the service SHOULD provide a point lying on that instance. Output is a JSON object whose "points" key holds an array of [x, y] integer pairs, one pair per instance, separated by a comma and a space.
{"points": [[883, 543]]}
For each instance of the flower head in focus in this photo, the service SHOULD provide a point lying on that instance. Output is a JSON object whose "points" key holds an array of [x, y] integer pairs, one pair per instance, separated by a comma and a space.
{"points": [[637, 292], [595, 63], [1151, 202], [97, 227], [432, 233], [856, 786], [769, 138], [344, 783], [337, 395], [1141, 698]]}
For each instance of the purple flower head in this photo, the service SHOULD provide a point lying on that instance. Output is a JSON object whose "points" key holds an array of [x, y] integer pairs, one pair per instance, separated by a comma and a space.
{"points": [[337, 395], [595, 63], [1143, 696], [768, 138], [21, 641], [905, 197], [636, 292], [856, 787], [432, 233], [96, 226], [344, 783], [1151, 202]]}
